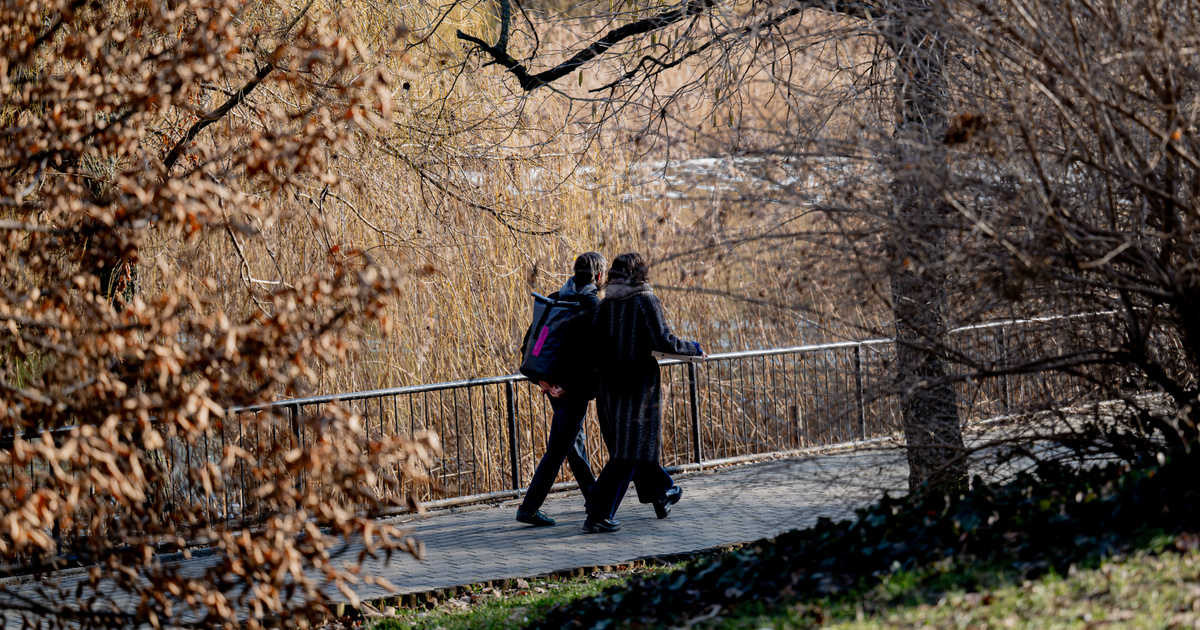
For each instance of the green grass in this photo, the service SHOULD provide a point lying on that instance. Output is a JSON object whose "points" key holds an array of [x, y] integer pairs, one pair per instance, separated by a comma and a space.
{"points": [[1039, 551], [513, 607], [1145, 590], [28, 369]]}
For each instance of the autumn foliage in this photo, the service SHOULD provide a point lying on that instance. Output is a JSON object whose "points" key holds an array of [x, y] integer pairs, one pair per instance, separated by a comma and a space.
{"points": [[118, 152]]}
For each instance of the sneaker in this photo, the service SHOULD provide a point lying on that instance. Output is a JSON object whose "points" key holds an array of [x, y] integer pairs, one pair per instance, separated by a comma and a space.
{"points": [[605, 525], [537, 519], [662, 507]]}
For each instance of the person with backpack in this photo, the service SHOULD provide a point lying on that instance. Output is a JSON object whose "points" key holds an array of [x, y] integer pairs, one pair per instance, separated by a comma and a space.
{"points": [[567, 379], [627, 326]]}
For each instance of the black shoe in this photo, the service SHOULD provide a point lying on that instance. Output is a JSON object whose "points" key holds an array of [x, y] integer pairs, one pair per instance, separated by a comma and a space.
{"points": [[537, 519], [605, 525], [662, 507]]}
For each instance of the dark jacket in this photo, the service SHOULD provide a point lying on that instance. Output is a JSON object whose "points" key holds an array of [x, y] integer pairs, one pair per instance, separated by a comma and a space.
{"points": [[574, 369], [588, 296], [627, 327]]}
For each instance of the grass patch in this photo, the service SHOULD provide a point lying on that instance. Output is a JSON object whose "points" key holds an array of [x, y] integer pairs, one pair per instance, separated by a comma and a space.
{"points": [[494, 608], [1145, 590], [1142, 591], [898, 551], [1157, 588]]}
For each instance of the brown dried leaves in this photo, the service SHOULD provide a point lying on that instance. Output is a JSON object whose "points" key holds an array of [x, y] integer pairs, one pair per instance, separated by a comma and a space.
{"points": [[116, 366]]}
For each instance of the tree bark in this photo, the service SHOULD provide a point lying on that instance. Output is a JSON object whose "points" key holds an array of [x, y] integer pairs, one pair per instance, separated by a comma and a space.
{"points": [[929, 406]]}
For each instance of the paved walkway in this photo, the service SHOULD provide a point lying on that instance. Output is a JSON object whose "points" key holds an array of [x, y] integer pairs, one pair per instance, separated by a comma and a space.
{"points": [[731, 505], [719, 507]]}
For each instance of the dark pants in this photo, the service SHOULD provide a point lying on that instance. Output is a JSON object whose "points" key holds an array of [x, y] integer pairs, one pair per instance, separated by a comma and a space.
{"points": [[651, 480], [566, 442]]}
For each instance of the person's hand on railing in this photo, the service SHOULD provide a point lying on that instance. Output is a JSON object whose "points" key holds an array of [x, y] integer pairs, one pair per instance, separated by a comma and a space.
{"points": [[551, 390]]}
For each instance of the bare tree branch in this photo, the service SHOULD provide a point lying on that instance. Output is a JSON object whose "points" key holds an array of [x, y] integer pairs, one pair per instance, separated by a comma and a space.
{"points": [[236, 99], [529, 82], [214, 116]]}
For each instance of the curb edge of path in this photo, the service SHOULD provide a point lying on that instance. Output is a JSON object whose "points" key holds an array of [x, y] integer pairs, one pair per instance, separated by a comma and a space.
{"points": [[431, 598]]}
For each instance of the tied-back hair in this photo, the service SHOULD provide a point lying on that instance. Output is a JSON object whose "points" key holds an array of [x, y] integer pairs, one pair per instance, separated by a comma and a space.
{"points": [[630, 269], [588, 267]]}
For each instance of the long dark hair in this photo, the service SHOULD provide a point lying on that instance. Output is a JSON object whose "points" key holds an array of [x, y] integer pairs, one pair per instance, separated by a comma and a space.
{"points": [[629, 268]]}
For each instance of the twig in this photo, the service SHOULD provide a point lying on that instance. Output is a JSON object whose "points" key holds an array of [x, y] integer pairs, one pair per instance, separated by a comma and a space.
{"points": [[25, 393], [664, 66], [457, 197], [234, 101], [246, 275], [214, 116]]}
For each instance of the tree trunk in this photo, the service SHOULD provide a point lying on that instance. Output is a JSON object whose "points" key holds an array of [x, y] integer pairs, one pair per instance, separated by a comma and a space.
{"points": [[930, 410]]}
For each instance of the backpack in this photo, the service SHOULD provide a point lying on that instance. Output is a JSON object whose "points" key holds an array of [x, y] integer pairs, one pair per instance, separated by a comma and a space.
{"points": [[548, 337]]}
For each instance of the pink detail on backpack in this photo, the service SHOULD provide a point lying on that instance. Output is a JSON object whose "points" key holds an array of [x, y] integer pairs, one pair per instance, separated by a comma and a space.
{"points": [[537, 347]]}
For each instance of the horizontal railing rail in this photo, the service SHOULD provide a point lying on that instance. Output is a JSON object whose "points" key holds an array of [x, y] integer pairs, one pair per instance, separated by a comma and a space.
{"points": [[512, 378], [377, 393]]}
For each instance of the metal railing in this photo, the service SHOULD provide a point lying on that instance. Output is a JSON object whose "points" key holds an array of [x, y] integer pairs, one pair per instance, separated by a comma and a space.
{"points": [[733, 407]]}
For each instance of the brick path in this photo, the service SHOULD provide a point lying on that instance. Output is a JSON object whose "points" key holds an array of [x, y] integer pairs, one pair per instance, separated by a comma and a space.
{"points": [[719, 507]]}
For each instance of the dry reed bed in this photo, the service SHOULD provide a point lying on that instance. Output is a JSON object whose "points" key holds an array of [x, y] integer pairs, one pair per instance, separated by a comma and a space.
{"points": [[479, 196]]}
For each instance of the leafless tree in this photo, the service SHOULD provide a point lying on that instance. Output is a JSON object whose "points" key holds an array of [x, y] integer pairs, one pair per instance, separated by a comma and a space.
{"points": [[994, 159]]}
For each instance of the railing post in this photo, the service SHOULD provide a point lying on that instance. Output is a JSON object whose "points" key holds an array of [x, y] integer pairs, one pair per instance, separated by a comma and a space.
{"points": [[298, 434], [694, 397], [512, 435], [858, 392], [1006, 393], [294, 416]]}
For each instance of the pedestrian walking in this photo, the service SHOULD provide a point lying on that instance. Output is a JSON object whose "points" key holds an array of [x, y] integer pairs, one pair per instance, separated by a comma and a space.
{"points": [[569, 393], [628, 326]]}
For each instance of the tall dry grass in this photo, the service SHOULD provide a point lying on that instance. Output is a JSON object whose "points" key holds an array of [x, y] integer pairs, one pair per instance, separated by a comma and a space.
{"points": [[480, 195]]}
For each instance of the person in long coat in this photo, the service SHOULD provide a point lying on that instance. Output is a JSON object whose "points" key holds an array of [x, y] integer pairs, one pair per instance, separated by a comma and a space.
{"points": [[628, 326]]}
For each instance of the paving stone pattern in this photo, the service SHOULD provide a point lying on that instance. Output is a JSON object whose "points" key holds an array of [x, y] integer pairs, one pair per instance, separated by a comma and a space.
{"points": [[719, 507], [731, 505]]}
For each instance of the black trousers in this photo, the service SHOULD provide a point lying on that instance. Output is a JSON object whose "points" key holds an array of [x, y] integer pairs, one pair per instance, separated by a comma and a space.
{"points": [[651, 480], [566, 441]]}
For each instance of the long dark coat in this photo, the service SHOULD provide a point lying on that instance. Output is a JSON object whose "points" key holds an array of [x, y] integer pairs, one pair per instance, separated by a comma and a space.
{"points": [[628, 325]]}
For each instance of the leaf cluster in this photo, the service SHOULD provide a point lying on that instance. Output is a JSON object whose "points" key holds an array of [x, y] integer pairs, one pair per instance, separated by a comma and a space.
{"points": [[118, 367]]}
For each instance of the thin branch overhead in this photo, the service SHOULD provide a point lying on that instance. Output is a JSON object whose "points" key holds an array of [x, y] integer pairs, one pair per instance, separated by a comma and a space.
{"points": [[692, 8], [529, 82]]}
